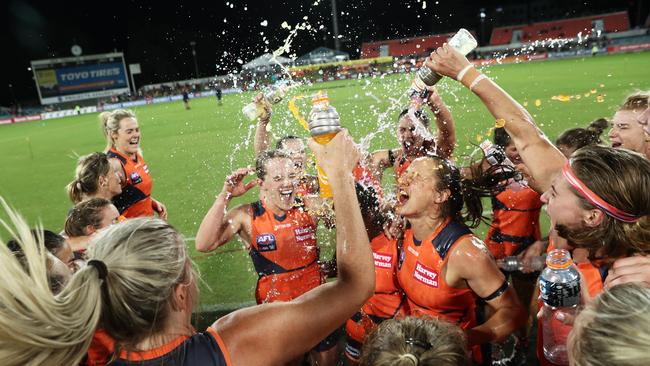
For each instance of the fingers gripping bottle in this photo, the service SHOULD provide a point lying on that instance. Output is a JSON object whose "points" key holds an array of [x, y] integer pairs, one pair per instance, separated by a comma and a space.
{"points": [[324, 124], [559, 287], [463, 42], [273, 94]]}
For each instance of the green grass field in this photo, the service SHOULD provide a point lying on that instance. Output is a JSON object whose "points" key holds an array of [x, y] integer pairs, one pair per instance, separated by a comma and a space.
{"points": [[190, 152]]}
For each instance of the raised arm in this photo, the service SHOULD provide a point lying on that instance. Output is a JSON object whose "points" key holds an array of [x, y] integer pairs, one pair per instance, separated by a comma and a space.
{"points": [[275, 333], [262, 133], [446, 137], [474, 264], [219, 226], [542, 158]]}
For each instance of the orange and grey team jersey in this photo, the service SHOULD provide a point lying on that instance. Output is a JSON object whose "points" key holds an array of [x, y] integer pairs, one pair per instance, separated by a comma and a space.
{"points": [[284, 253], [385, 304], [135, 199], [419, 273], [205, 348], [515, 222]]}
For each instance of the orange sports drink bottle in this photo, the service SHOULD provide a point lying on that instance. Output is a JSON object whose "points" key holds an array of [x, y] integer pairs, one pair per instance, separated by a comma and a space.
{"points": [[324, 124]]}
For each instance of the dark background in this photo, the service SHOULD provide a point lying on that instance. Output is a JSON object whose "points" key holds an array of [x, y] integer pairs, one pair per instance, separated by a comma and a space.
{"points": [[157, 35]]}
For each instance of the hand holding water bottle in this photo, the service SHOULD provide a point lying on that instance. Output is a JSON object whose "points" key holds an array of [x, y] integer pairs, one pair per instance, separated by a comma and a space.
{"points": [[447, 61]]}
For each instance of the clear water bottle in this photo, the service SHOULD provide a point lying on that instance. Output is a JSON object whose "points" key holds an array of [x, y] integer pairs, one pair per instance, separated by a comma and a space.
{"points": [[514, 263], [559, 287], [273, 94], [463, 42], [324, 124], [495, 155]]}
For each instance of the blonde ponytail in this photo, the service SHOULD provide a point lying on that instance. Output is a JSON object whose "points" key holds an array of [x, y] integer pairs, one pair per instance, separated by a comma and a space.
{"points": [[37, 327]]}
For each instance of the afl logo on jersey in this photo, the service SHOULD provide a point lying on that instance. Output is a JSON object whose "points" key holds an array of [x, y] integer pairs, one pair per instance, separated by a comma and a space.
{"points": [[265, 242], [135, 178]]}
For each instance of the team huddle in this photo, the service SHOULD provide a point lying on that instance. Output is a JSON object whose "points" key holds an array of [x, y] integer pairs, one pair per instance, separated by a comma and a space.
{"points": [[413, 284]]}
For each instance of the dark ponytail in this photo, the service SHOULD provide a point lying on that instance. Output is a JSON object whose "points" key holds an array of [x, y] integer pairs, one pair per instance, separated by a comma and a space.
{"points": [[465, 200], [576, 138]]}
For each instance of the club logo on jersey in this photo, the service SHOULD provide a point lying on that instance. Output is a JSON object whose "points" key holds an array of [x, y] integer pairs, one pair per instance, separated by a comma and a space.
{"points": [[266, 242], [427, 276], [135, 178], [304, 233], [383, 260]]}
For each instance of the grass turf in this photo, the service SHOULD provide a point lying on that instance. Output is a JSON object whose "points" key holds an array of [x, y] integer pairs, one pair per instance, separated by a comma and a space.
{"points": [[190, 152]]}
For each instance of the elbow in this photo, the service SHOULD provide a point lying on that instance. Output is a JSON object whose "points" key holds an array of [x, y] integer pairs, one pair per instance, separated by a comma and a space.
{"points": [[203, 245]]}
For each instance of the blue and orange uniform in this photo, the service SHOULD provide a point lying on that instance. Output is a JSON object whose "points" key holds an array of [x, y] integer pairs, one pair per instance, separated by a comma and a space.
{"points": [[515, 222], [204, 348], [135, 199], [284, 253], [385, 304], [420, 271]]}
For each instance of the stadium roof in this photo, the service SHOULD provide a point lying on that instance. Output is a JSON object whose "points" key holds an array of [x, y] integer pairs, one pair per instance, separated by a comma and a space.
{"points": [[265, 61], [322, 55]]}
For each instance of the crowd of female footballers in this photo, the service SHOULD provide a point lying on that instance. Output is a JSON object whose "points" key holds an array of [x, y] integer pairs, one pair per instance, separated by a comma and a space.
{"points": [[414, 285]]}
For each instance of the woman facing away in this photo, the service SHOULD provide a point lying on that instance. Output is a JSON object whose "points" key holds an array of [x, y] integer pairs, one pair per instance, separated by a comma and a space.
{"points": [[140, 287]]}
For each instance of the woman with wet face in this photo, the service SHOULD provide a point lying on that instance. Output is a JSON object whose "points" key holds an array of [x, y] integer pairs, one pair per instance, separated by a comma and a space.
{"points": [[416, 139], [597, 200], [628, 128], [122, 133], [444, 269], [85, 220]]}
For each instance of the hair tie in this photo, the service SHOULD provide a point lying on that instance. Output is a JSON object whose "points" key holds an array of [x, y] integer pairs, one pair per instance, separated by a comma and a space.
{"points": [[411, 357], [78, 185], [100, 266]]}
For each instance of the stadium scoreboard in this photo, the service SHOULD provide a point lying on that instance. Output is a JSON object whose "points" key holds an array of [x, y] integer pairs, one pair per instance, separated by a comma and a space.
{"points": [[76, 78]]}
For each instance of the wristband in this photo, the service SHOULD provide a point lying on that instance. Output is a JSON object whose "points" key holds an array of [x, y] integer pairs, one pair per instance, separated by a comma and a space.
{"points": [[469, 76], [462, 72], [476, 81]]}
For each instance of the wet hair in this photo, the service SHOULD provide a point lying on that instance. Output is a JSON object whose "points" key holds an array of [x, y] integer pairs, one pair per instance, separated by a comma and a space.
{"points": [[85, 213], [626, 188], [465, 199], [413, 341], [637, 101], [576, 138], [110, 123], [86, 177], [369, 203], [501, 138], [280, 143], [419, 114], [613, 329], [145, 260], [264, 157]]}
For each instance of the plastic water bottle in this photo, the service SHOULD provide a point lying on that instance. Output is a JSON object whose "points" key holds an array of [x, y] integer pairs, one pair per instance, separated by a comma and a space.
{"points": [[273, 94], [514, 263], [324, 124], [496, 156], [559, 287], [463, 42]]}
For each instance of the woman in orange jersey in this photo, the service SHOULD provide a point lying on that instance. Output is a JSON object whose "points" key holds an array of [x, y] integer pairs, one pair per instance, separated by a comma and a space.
{"points": [[388, 299], [444, 269], [140, 285], [122, 134], [597, 200], [415, 139]]}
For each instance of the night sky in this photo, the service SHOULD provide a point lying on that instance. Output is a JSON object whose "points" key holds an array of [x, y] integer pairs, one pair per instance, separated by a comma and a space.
{"points": [[157, 35]]}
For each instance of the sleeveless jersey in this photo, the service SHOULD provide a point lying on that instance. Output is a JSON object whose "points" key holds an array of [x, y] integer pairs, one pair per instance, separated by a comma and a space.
{"points": [[205, 348], [387, 301], [284, 253], [515, 222], [419, 275], [135, 199]]}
